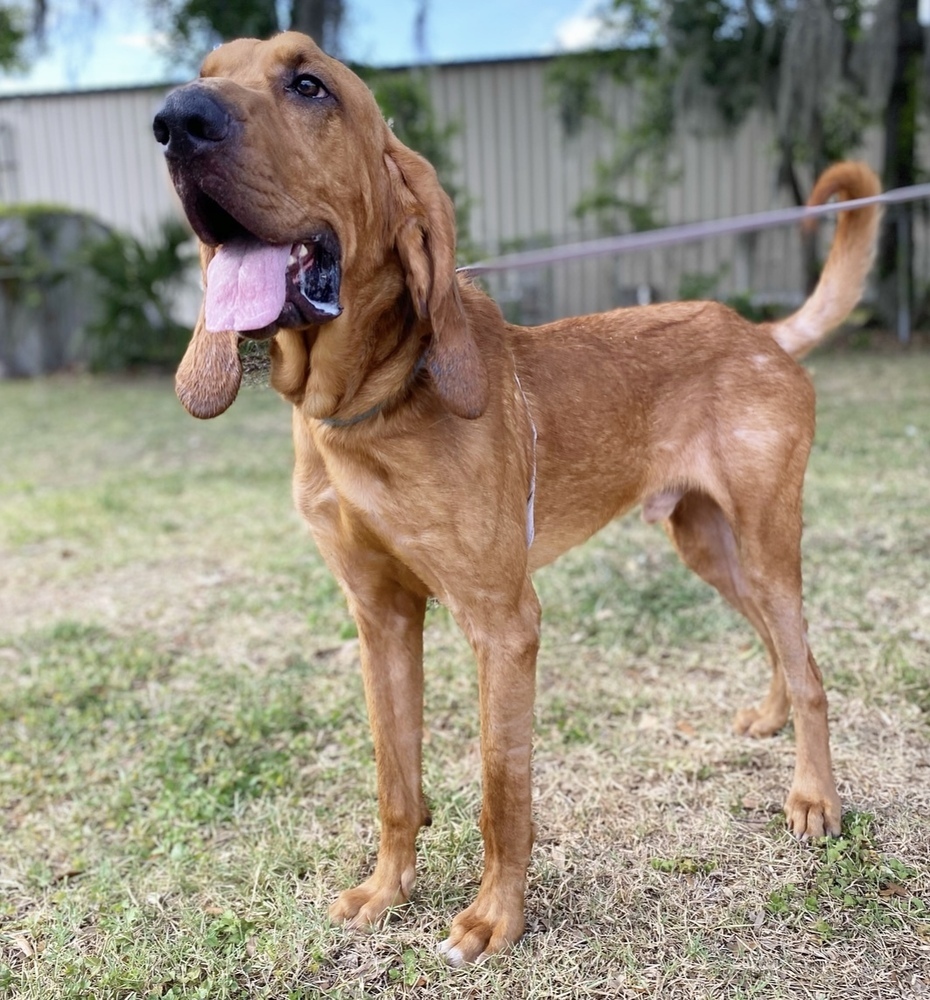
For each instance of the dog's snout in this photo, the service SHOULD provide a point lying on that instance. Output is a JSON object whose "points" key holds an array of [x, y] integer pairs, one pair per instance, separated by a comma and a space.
{"points": [[191, 120]]}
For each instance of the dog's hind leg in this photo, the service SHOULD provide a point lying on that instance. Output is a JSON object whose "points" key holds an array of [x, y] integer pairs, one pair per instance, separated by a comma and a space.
{"points": [[704, 539], [763, 557], [770, 554]]}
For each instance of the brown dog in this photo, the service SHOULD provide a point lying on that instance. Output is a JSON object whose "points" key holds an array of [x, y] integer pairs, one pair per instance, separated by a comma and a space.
{"points": [[441, 451]]}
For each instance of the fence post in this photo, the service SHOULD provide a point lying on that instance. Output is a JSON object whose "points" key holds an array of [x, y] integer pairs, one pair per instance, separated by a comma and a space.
{"points": [[904, 272]]}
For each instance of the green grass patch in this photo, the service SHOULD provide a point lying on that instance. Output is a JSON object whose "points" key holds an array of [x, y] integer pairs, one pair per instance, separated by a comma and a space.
{"points": [[683, 865], [851, 880]]}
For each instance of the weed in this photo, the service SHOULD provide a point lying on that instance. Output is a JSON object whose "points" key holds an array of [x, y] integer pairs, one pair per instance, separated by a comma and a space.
{"points": [[851, 881], [683, 865]]}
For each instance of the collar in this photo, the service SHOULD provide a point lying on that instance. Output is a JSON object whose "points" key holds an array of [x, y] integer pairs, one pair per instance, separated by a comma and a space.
{"points": [[385, 404]]}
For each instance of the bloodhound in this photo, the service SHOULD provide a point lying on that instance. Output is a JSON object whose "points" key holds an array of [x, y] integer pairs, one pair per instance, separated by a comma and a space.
{"points": [[441, 451]]}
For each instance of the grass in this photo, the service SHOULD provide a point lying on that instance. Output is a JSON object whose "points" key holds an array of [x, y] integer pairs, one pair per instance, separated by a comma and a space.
{"points": [[185, 770]]}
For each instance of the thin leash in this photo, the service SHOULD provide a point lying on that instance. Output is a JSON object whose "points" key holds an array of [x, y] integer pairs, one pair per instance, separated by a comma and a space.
{"points": [[531, 497], [689, 232]]}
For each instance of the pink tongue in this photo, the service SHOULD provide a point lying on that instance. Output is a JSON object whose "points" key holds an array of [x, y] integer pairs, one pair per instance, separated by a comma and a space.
{"points": [[245, 286]]}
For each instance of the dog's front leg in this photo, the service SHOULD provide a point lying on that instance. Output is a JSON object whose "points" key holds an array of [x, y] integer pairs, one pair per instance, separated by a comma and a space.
{"points": [[505, 639], [390, 625]]}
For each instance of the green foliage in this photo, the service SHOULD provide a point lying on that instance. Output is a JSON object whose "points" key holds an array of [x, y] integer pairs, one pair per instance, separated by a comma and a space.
{"points": [[725, 50], [613, 213], [571, 87], [852, 877], [26, 234], [12, 36], [47, 296], [129, 284], [137, 281], [700, 285], [756, 312], [709, 63], [229, 932], [914, 684], [684, 865], [845, 120], [572, 81], [574, 86], [405, 102], [678, 54], [193, 27], [704, 285]]}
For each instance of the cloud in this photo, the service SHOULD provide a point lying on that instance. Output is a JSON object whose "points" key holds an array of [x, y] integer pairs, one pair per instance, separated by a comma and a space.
{"points": [[592, 26], [580, 31]]}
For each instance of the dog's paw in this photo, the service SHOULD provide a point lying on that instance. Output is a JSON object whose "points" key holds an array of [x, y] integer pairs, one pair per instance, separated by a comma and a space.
{"points": [[366, 906], [486, 928], [758, 723], [813, 816]]}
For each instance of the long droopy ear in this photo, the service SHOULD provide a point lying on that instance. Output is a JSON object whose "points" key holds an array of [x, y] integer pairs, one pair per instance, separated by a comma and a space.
{"points": [[207, 381], [424, 234]]}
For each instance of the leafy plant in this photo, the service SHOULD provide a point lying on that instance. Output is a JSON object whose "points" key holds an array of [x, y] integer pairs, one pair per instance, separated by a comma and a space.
{"points": [[12, 35], [28, 264], [405, 101], [853, 876], [138, 282], [683, 865], [699, 285], [757, 312]]}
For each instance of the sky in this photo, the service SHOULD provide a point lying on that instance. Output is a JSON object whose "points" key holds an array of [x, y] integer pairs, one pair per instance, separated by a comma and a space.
{"points": [[122, 50]]}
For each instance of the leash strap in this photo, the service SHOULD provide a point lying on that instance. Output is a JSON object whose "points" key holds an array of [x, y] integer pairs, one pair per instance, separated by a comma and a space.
{"points": [[686, 233], [531, 497]]}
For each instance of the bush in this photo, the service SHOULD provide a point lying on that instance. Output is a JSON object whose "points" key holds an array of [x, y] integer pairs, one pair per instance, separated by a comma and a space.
{"points": [[139, 282], [47, 297]]}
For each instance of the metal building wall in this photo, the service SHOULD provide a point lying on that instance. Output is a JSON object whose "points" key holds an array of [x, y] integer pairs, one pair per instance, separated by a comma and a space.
{"points": [[89, 151], [94, 151]]}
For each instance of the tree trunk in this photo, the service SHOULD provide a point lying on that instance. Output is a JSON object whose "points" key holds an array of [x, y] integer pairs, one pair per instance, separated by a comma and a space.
{"points": [[322, 20], [895, 255], [788, 178]]}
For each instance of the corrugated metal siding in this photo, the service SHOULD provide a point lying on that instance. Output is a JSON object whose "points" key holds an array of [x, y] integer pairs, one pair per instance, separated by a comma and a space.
{"points": [[92, 152], [526, 179], [95, 152]]}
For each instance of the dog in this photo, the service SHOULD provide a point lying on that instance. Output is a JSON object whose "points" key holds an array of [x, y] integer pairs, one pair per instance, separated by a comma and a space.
{"points": [[442, 452]]}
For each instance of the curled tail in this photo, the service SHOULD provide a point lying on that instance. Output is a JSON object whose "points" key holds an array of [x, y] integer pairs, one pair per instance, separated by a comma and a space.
{"points": [[842, 280]]}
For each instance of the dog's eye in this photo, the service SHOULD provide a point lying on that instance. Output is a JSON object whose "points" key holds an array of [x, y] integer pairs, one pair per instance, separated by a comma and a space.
{"points": [[309, 86]]}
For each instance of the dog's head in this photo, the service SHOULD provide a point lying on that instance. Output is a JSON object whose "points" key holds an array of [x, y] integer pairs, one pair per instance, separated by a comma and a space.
{"points": [[311, 216]]}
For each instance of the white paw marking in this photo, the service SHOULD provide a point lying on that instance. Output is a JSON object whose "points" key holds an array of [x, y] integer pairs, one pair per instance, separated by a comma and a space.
{"points": [[452, 955]]}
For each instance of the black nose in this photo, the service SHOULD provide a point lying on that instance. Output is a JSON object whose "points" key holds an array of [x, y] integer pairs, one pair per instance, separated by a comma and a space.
{"points": [[191, 121]]}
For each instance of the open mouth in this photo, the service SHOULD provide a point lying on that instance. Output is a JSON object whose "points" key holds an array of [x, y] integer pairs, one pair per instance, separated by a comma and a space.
{"points": [[255, 285]]}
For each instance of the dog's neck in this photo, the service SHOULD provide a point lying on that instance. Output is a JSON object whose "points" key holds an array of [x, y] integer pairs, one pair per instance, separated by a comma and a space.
{"points": [[387, 404], [350, 370]]}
